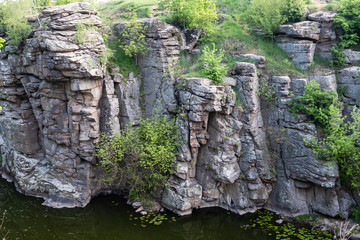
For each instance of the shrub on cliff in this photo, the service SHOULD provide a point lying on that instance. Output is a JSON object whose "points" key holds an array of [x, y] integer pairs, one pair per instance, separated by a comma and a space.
{"points": [[342, 144], [140, 159], [266, 15], [12, 18], [270, 14], [341, 139], [348, 21], [318, 104], [192, 13], [212, 66], [133, 36], [1, 46]]}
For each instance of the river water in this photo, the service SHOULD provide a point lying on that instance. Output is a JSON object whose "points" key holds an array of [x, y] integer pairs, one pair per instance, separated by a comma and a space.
{"points": [[107, 217]]}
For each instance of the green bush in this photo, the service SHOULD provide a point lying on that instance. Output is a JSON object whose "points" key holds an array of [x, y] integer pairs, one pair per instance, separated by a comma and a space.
{"points": [[143, 12], [266, 14], [342, 144], [212, 66], [316, 103], [348, 20], [270, 14], [266, 91], [341, 139], [140, 159], [133, 35], [338, 55], [12, 17], [42, 3], [63, 2], [192, 13], [294, 10]]}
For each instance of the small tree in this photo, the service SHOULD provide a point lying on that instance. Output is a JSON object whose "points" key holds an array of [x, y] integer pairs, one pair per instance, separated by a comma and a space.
{"points": [[342, 144], [133, 35], [212, 66], [12, 17], [270, 14], [316, 103], [294, 10]]}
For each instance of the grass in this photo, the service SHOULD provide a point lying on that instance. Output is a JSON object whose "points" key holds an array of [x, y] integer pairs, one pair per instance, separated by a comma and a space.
{"points": [[113, 12], [320, 65], [234, 37]]}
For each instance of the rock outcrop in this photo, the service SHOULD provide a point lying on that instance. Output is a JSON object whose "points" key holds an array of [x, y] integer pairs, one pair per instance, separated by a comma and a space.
{"points": [[51, 87], [301, 40], [238, 151]]}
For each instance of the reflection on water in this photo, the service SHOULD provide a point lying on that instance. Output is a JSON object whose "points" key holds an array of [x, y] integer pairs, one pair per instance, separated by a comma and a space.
{"points": [[107, 217]]}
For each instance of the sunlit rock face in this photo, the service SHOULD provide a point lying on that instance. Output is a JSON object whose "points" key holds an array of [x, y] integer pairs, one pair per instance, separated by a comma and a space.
{"points": [[51, 87], [237, 151]]}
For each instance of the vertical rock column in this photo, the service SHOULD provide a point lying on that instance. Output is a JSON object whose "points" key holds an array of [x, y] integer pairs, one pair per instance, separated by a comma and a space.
{"points": [[62, 75], [157, 64]]}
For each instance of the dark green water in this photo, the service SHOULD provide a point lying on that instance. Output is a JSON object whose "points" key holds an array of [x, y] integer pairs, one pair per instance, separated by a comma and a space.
{"points": [[107, 217]]}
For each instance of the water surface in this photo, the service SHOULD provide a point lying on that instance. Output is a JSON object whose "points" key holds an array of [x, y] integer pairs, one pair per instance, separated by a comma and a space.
{"points": [[107, 217]]}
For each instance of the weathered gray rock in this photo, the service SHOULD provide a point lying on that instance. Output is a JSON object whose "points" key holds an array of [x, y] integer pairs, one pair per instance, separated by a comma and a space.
{"points": [[57, 100], [304, 30], [301, 51], [259, 61], [349, 80], [158, 66], [324, 49], [189, 38], [52, 90], [326, 81], [181, 197], [322, 16], [128, 93], [304, 183], [352, 57]]}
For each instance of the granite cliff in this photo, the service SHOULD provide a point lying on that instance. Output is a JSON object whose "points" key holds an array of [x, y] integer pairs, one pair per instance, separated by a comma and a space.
{"points": [[57, 99]]}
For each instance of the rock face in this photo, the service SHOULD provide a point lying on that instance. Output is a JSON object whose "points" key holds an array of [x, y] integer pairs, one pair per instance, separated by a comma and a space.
{"points": [[237, 151], [301, 40], [349, 81], [304, 183], [50, 97], [301, 51]]}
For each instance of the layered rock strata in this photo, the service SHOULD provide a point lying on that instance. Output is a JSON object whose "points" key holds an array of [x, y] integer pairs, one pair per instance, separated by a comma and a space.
{"points": [[301, 40], [50, 91], [237, 151]]}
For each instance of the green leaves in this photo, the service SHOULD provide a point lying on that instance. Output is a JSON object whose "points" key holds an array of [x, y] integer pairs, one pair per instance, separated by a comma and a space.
{"points": [[1, 44], [341, 142], [140, 159], [318, 104], [342, 145], [12, 16], [134, 36], [270, 14], [348, 20], [212, 66], [192, 13]]}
